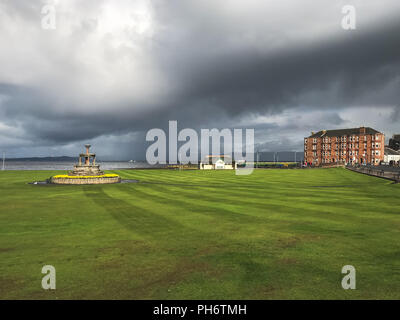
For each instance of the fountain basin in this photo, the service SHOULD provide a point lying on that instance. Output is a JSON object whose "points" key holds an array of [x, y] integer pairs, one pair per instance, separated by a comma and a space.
{"points": [[100, 179]]}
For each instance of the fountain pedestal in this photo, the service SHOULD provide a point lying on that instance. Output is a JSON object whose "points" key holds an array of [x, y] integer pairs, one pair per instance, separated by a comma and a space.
{"points": [[86, 172]]}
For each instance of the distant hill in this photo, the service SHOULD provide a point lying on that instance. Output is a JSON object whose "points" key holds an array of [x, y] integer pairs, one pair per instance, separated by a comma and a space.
{"points": [[280, 156], [62, 158]]}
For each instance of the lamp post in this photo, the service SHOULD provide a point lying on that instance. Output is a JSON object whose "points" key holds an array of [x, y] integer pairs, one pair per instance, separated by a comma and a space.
{"points": [[257, 146]]}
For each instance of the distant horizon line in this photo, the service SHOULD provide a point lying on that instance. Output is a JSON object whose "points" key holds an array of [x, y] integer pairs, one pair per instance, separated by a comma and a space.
{"points": [[72, 158]]}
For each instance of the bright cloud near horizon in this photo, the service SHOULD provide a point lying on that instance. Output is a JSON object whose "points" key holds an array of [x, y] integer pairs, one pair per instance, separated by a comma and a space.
{"points": [[112, 70]]}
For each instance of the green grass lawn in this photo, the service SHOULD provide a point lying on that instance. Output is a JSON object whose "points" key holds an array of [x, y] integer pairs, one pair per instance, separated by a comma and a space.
{"points": [[275, 234]]}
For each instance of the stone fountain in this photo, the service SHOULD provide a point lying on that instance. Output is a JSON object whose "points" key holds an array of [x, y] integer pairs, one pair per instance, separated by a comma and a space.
{"points": [[86, 172], [87, 165]]}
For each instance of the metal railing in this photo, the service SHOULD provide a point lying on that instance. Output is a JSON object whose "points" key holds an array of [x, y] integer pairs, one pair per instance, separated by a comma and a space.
{"points": [[378, 172]]}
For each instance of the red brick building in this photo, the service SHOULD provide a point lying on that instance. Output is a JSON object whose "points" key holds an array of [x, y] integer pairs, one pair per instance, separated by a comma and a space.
{"points": [[345, 146]]}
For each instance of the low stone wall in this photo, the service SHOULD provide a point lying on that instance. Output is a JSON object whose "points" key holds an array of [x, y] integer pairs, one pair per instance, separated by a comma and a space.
{"points": [[332, 165], [102, 180], [394, 176]]}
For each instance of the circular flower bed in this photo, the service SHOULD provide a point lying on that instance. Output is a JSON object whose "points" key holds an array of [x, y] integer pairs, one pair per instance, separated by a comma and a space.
{"points": [[102, 179], [110, 175]]}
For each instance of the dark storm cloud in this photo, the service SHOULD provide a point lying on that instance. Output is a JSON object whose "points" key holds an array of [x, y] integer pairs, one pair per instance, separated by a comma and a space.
{"points": [[209, 81], [353, 65], [395, 116]]}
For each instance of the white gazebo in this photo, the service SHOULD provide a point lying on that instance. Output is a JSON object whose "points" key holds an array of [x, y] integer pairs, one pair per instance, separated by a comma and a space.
{"points": [[217, 162]]}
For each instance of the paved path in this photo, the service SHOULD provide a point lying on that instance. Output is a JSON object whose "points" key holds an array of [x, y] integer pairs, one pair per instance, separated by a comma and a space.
{"points": [[385, 168], [386, 172]]}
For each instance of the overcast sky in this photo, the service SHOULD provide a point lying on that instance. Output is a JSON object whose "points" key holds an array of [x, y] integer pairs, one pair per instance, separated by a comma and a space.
{"points": [[112, 70]]}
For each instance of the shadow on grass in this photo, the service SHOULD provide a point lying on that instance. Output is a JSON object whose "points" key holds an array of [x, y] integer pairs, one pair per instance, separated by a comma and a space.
{"points": [[139, 220], [191, 252]]}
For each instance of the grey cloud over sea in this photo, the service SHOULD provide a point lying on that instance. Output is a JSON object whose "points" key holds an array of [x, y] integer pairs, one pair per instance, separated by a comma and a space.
{"points": [[113, 70]]}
